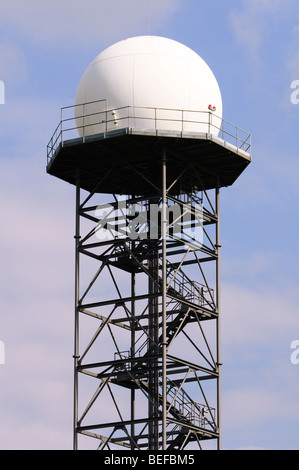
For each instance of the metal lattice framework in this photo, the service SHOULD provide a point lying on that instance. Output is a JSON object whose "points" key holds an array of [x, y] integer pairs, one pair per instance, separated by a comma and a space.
{"points": [[154, 346], [147, 310]]}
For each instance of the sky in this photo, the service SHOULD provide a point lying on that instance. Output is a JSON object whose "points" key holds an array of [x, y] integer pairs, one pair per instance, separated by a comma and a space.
{"points": [[252, 46]]}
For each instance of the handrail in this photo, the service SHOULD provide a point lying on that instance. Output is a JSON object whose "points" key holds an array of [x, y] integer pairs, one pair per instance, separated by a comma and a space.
{"points": [[178, 400], [188, 409], [105, 120]]}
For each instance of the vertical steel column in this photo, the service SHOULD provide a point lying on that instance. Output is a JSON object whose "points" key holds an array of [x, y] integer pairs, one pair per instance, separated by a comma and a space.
{"points": [[218, 327], [76, 326], [153, 348], [133, 289], [164, 288]]}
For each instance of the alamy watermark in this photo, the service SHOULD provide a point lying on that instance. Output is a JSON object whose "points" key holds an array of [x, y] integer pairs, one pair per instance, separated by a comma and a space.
{"points": [[140, 220], [2, 92], [295, 94], [295, 354]]}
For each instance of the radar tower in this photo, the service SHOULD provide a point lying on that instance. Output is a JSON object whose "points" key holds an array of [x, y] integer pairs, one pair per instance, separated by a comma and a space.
{"points": [[147, 149]]}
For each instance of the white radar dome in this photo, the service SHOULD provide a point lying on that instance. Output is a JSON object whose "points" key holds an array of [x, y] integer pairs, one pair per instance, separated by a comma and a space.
{"points": [[148, 82]]}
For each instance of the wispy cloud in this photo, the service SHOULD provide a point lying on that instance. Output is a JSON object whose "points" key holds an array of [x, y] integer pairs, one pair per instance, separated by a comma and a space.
{"points": [[13, 64], [253, 23], [36, 305], [71, 23], [258, 326]]}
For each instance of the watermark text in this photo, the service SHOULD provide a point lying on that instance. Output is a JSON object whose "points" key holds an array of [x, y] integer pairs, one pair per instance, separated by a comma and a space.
{"points": [[295, 354], [126, 220], [295, 93]]}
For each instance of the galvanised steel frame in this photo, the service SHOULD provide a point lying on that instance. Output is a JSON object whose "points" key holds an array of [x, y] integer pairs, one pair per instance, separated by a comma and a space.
{"points": [[147, 308], [147, 317]]}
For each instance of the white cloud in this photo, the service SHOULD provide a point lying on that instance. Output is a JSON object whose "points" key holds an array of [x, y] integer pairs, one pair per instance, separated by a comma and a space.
{"points": [[253, 23], [13, 64], [258, 326], [259, 316], [249, 406], [73, 22], [36, 314]]}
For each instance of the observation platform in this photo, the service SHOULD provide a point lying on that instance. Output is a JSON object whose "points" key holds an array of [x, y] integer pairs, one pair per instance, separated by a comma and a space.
{"points": [[126, 159]]}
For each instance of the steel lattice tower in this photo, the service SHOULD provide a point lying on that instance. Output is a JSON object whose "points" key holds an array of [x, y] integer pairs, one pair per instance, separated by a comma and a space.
{"points": [[147, 365]]}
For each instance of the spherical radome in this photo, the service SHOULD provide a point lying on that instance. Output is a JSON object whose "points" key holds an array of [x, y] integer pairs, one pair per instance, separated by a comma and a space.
{"points": [[148, 82]]}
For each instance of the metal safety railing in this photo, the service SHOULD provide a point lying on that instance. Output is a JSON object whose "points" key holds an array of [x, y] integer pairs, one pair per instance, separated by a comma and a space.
{"points": [[179, 403], [192, 291], [91, 118], [188, 410]]}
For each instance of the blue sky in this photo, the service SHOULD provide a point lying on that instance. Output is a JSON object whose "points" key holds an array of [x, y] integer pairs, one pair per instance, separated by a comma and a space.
{"points": [[252, 46]]}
